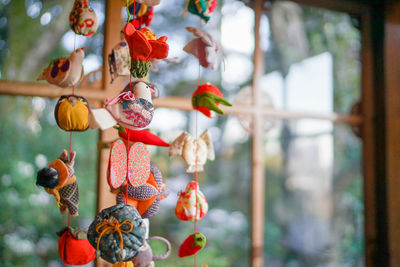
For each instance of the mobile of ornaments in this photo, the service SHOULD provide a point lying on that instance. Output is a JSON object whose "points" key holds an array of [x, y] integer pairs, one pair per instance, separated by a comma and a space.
{"points": [[192, 204]]}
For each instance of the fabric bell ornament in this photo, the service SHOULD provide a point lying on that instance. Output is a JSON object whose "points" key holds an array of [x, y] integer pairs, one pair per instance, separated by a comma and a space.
{"points": [[65, 72], [82, 19], [191, 205], [59, 180], [74, 248], [143, 47], [194, 152], [117, 233], [72, 113], [147, 197]]}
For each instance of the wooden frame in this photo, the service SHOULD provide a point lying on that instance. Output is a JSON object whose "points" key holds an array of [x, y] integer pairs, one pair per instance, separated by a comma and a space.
{"points": [[380, 121]]}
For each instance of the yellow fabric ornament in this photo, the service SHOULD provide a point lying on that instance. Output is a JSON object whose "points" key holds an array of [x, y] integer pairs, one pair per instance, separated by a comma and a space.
{"points": [[72, 113]]}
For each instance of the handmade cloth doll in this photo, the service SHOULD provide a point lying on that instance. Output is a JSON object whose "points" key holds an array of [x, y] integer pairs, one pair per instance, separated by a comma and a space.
{"points": [[133, 166], [72, 113], [202, 8], [65, 72], [58, 179], [146, 198], [204, 48], [194, 152], [207, 98], [132, 108], [117, 233], [82, 19], [192, 245], [143, 47], [74, 248], [191, 205], [146, 258]]}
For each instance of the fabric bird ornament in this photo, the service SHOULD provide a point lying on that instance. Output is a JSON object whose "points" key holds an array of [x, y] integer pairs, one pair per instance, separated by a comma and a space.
{"points": [[194, 152], [207, 98], [143, 47], [132, 108], [82, 19], [201, 8], [58, 179], [65, 72], [208, 51]]}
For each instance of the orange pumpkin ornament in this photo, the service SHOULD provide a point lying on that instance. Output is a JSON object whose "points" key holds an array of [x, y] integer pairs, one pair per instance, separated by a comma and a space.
{"points": [[72, 113]]}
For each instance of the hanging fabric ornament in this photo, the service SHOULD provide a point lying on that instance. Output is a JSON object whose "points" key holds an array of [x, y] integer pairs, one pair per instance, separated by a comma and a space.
{"points": [[191, 205], [201, 8], [192, 245], [117, 233], [194, 152], [74, 248], [145, 198], [58, 179], [145, 2], [143, 47], [119, 60], [143, 136], [82, 19], [207, 98], [146, 258], [132, 108], [65, 72], [72, 113], [143, 14], [135, 165], [204, 48]]}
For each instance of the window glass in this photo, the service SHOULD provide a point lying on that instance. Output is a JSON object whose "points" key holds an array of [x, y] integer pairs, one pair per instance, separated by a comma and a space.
{"points": [[34, 32], [29, 217], [314, 185]]}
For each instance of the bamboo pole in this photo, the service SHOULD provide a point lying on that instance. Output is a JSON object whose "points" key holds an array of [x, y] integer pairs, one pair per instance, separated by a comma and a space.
{"points": [[258, 177], [44, 90]]}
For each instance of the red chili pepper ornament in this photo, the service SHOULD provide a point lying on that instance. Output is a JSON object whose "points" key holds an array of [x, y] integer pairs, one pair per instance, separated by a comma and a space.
{"points": [[192, 245]]}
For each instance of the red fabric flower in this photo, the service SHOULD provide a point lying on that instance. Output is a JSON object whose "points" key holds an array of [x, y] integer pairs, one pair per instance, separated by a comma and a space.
{"points": [[144, 45]]}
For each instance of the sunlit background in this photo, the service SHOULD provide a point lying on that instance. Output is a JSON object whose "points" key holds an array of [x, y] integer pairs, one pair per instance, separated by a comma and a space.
{"points": [[314, 207]]}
